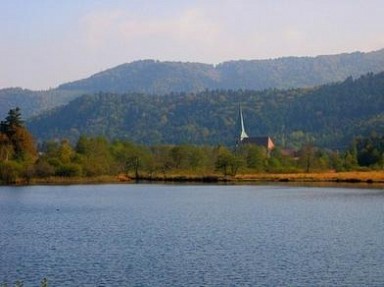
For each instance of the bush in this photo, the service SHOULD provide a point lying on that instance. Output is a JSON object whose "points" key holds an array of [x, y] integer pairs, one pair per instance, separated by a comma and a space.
{"points": [[69, 170], [43, 169], [9, 172]]}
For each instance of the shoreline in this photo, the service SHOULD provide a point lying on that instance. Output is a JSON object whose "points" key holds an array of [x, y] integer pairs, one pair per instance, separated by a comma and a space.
{"points": [[353, 178]]}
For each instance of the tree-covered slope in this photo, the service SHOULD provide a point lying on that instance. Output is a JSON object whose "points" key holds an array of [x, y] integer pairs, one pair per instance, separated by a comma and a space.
{"points": [[298, 72], [329, 115], [33, 102], [149, 76], [154, 77]]}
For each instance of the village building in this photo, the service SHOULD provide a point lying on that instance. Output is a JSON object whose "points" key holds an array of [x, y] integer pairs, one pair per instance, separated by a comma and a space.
{"points": [[244, 139]]}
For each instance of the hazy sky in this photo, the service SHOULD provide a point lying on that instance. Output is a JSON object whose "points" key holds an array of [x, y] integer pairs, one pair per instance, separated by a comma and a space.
{"points": [[48, 42]]}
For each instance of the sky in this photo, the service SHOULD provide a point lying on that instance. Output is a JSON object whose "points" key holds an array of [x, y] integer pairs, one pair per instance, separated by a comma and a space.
{"points": [[44, 43]]}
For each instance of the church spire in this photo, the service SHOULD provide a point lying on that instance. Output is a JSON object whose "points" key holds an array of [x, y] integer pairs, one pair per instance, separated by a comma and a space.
{"points": [[243, 134]]}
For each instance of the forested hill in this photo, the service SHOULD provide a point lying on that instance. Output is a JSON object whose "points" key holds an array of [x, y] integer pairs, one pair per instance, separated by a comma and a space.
{"points": [[149, 76], [156, 77], [329, 115], [33, 102]]}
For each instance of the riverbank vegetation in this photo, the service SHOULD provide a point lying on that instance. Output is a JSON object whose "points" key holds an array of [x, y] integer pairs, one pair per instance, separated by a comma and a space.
{"points": [[95, 159]]}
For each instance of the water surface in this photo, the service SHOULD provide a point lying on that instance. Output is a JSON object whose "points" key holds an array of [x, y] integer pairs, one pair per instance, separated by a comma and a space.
{"points": [[191, 235]]}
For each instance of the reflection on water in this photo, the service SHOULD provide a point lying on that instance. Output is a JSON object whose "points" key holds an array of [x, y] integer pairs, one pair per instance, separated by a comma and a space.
{"points": [[200, 235]]}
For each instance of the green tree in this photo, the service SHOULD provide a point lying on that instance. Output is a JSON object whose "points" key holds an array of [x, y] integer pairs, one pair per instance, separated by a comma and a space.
{"points": [[336, 161], [13, 133], [129, 157], [370, 151], [227, 162], [94, 155], [256, 157], [306, 157], [43, 168], [65, 152], [10, 171], [187, 157], [58, 158]]}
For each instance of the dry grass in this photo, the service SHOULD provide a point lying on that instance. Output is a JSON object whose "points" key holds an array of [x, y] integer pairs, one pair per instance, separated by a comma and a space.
{"points": [[79, 180], [371, 177], [331, 176]]}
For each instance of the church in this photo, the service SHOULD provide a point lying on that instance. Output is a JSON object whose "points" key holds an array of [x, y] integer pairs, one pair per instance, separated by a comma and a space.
{"points": [[244, 139]]}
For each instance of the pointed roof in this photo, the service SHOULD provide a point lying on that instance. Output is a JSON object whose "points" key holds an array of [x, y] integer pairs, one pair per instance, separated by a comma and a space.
{"points": [[245, 139], [243, 134]]}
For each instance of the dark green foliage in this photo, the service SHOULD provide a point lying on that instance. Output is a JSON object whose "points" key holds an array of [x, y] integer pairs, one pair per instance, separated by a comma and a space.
{"points": [[10, 171], [12, 121], [97, 156], [69, 170], [43, 169], [306, 157], [256, 157], [94, 156], [370, 151], [186, 157], [58, 159], [15, 140], [154, 77], [128, 157], [228, 162], [329, 116]]}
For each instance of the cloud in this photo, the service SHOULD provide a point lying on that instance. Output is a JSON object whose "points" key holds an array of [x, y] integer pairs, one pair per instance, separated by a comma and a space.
{"points": [[85, 37], [188, 33]]}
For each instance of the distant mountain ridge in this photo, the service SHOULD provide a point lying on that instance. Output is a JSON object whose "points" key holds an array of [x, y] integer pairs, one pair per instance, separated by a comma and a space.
{"points": [[160, 78], [149, 76], [155, 77]]}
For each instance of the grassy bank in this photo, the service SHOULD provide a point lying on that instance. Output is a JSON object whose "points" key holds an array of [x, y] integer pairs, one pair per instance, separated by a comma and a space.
{"points": [[368, 177], [56, 180], [349, 177]]}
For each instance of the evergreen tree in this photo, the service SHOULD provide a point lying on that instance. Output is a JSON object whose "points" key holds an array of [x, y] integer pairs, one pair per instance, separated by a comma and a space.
{"points": [[14, 134]]}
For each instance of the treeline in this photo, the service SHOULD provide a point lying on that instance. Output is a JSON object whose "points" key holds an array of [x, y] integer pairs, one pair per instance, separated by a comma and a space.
{"points": [[96, 156], [331, 116]]}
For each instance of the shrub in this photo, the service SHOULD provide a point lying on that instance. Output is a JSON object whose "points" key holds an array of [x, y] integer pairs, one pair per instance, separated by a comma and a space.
{"points": [[69, 170], [10, 171]]}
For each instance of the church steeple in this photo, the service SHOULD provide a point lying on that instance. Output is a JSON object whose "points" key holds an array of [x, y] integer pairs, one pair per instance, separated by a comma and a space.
{"points": [[244, 139], [243, 134]]}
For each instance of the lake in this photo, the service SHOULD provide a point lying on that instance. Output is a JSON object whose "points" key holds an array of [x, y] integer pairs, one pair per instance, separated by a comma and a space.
{"points": [[191, 235]]}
